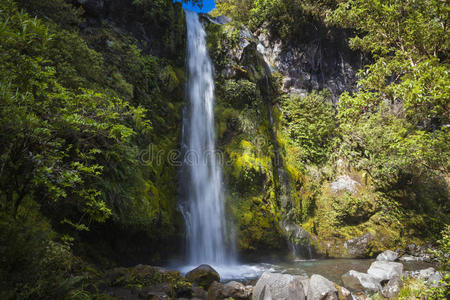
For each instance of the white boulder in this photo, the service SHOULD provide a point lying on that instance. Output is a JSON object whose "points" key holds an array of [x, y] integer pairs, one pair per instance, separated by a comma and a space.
{"points": [[358, 281], [276, 286], [321, 288], [384, 270]]}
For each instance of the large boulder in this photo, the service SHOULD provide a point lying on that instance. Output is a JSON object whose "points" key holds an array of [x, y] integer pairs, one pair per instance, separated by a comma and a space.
{"points": [[236, 290], [276, 286], [321, 288], [388, 255], [358, 281], [203, 276], [384, 270], [392, 288]]}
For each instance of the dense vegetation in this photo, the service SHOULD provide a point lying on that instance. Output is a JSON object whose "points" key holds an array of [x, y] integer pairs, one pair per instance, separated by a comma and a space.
{"points": [[86, 100], [79, 110]]}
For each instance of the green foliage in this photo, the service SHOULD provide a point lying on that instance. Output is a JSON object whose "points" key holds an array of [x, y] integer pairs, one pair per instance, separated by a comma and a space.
{"points": [[443, 251], [417, 288], [236, 9], [419, 93], [394, 126], [409, 41], [404, 164], [75, 115], [351, 210], [412, 29], [241, 93], [165, 20], [392, 129], [42, 123], [285, 18], [310, 124], [222, 38], [59, 11], [288, 20], [32, 265]]}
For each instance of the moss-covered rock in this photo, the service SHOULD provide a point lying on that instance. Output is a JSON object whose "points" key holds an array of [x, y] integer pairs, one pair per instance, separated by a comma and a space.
{"points": [[203, 275]]}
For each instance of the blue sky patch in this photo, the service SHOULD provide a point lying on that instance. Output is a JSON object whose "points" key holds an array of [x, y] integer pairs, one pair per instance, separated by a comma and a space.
{"points": [[208, 5]]}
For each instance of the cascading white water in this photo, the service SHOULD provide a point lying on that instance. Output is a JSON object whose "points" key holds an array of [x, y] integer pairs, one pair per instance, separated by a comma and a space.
{"points": [[203, 208]]}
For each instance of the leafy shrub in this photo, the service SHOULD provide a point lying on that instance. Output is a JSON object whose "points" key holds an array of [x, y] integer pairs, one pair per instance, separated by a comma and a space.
{"points": [[241, 93], [311, 126]]}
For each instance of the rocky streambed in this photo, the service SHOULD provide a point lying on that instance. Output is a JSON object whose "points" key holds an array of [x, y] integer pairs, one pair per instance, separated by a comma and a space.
{"points": [[355, 279]]}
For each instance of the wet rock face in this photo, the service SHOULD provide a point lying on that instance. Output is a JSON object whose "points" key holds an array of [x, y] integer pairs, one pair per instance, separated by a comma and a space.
{"points": [[300, 240], [358, 246], [203, 275], [324, 61], [220, 20], [320, 61]]}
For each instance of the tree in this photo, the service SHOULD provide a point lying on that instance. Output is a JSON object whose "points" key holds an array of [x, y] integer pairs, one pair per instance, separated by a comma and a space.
{"points": [[56, 141], [395, 125]]}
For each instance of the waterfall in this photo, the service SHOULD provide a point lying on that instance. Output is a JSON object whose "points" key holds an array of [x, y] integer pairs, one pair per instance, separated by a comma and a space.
{"points": [[203, 207]]}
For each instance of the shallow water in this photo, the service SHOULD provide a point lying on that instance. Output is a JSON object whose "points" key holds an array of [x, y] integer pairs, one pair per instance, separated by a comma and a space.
{"points": [[331, 269]]}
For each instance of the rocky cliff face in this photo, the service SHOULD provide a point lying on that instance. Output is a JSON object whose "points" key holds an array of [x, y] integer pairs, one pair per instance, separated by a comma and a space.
{"points": [[323, 61]]}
